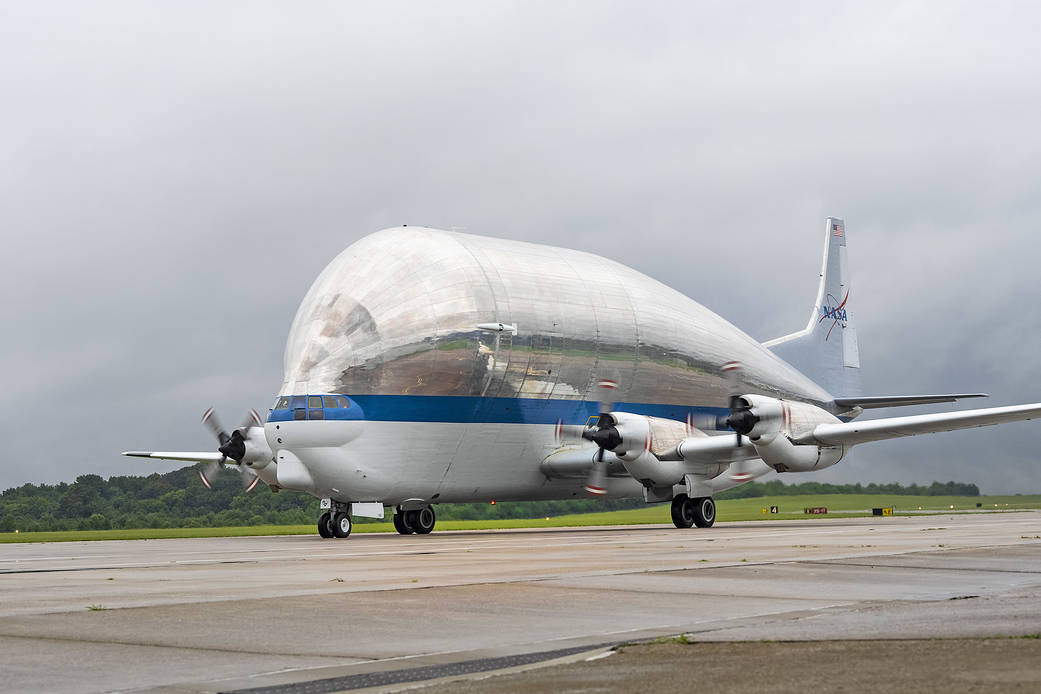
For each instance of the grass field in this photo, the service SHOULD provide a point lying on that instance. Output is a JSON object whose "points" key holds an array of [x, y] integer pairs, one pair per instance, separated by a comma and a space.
{"points": [[789, 507]]}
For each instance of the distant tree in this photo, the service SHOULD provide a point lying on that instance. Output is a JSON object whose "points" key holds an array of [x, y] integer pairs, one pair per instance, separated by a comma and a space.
{"points": [[178, 499]]}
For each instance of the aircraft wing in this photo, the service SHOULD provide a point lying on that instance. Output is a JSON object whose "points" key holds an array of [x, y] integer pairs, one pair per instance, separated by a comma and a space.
{"points": [[871, 402], [193, 457], [848, 434]]}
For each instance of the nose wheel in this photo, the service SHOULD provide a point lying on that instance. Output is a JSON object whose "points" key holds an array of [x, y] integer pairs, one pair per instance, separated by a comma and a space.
{"points": [[341, 525], [335, 523], [324, 529]]}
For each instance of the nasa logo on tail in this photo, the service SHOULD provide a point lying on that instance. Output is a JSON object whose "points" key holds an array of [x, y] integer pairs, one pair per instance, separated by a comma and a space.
{"points": [[834, 310]]}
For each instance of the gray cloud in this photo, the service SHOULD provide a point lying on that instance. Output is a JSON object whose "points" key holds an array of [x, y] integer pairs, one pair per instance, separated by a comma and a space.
{"points": [[176, 175]]}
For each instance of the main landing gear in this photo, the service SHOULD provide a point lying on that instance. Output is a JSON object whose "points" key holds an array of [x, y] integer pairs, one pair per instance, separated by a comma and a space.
{"points": [[336, 522], [419, 521], [687, 512]]}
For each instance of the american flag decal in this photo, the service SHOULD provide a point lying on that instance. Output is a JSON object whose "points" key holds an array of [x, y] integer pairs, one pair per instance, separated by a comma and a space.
{"points": [[836, 230]]}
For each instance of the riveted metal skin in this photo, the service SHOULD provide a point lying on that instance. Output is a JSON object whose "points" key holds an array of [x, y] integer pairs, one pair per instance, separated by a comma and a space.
{"points": [[397, 313]]}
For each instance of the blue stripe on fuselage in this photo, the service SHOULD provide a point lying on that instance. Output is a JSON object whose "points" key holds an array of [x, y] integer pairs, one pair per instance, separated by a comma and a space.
{"points": [[466, 409]]}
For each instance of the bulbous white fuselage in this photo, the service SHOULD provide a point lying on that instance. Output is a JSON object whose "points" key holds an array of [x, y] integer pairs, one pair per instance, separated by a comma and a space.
{"points": [[439, 409]]}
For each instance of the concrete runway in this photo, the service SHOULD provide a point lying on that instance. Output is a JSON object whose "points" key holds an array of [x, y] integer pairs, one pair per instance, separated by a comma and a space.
{"points": [[224, 614]]}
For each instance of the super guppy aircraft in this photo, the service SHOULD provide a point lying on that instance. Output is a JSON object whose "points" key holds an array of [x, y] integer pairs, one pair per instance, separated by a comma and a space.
{"points": [[428, 366]]}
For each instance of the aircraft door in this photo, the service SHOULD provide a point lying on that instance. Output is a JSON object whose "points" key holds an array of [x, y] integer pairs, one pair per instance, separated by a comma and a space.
{"points": [[543, 365], [495, 350]]}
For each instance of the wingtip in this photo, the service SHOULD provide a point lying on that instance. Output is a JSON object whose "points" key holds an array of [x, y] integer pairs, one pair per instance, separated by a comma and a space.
{"points": [[138, 454]]}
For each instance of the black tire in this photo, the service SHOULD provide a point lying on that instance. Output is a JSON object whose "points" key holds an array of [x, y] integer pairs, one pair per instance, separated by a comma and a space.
{"points": [[341, 525], [704, 512], [682, 511], [422, 520], [401, 524], [324, 528]]}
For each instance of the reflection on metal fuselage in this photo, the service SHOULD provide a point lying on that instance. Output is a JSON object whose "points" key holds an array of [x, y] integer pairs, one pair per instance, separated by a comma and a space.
{"points": [[454, 412]]}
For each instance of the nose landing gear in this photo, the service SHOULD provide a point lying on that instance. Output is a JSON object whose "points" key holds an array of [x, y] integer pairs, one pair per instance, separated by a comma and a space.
{"points": [[336, 522]]}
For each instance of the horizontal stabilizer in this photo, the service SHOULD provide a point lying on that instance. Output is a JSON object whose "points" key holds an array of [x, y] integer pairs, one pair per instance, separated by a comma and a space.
{"points": [[849, 434], [868, 403], [193, 457]]}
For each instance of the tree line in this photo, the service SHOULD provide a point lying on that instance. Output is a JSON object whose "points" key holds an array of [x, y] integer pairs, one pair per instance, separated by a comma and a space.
{"points": [[178, 499]]}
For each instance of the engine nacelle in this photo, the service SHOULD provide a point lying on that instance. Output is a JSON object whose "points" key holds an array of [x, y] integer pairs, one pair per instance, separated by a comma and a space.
{"points": [[784, 456], [640, 433], [777, 422], [635, 432], [638, 440], [258, 452]]}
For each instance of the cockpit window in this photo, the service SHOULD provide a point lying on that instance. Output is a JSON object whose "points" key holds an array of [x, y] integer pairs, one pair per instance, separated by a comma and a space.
{"points": [[342, 401], [282, 403], [314, 402], [330, 400], [299, 402]]}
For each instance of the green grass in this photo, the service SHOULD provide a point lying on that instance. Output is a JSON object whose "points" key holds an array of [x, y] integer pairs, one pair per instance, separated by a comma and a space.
{"points": [[790, 507]]}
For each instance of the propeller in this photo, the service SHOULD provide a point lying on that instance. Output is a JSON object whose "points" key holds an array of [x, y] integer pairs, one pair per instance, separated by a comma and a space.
{"points": [[605, 436], [231, 446], [741, 420]]}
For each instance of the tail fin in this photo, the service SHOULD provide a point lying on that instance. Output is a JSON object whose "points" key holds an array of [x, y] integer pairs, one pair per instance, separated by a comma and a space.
{"points": [[826, 350]]}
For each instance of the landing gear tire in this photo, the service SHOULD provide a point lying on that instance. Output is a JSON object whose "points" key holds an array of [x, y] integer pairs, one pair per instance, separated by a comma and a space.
{"points": [[401, 523], [704, 512], [682, 511], [324, 528], [341, 525], [421, 520]]}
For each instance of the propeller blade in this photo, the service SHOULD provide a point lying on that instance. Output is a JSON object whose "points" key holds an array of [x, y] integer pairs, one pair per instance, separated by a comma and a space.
{"points": [[739, 469], [606, 388], [734, 372], [209, 418], [252, 420], [248, 477], [568, 433], [596, 483], [209, 473]]}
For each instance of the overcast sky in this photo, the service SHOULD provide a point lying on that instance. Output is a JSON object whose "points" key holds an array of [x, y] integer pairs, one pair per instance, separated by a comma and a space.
{"points": [[173, 176]]}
